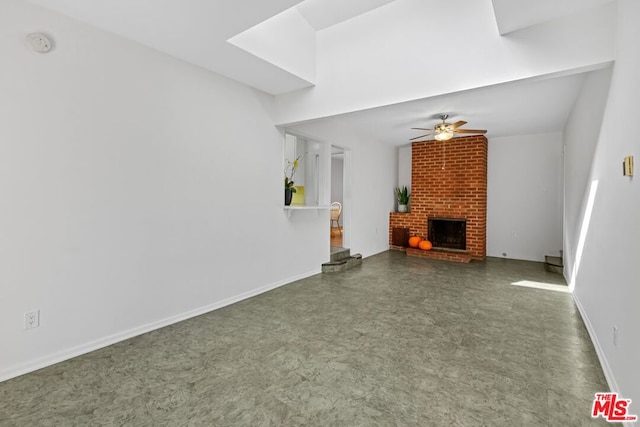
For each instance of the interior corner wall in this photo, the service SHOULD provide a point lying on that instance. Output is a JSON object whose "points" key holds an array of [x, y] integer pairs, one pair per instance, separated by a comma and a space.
{"points": [[605, 279], [524, 196], [136, 189]]}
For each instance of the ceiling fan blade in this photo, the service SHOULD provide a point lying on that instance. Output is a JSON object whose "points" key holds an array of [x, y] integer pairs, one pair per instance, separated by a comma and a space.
{"points": [[426, 140], [470, 131], [423, 128], [457, 124], [421, 136]]}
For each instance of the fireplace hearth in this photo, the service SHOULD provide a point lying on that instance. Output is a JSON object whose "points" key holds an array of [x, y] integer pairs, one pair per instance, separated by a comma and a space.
{"points": [[448, 233]]}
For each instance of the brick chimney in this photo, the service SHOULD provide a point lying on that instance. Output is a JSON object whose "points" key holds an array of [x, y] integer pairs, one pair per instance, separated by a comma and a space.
{"points": [[448, 180]]}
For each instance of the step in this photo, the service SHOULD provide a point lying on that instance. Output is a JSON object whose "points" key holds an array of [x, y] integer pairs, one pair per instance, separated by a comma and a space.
{"points": [[342, 264], [553, 264], [553, 260], [339, 253], [354, 260]]}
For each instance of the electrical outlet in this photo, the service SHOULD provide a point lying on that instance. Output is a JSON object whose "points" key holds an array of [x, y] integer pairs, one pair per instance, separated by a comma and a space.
{"points": [[615, 336], [32, 319]]}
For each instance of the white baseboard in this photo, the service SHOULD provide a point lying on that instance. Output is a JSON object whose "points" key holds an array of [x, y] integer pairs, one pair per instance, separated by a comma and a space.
{"points": [[66, 354], [608, 373], [604, 363]]}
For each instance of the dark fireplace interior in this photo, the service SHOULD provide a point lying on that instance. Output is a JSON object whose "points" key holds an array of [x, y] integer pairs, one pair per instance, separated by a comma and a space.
{"points": [[448, 233]]}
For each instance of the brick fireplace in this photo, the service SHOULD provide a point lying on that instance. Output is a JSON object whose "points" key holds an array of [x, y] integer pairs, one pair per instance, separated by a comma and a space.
{"points": [[448, 183]]}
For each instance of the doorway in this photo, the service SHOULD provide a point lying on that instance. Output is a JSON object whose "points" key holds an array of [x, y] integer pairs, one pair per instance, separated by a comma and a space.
{"points": [[339, 203]]}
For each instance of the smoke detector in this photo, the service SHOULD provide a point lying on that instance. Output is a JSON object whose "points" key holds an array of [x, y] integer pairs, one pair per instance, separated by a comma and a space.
{"points": [[39, 42]]}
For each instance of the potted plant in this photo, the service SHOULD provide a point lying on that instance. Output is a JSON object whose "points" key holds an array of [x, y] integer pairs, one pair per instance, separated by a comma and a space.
{"points": [[402, 195], [289, 173]]}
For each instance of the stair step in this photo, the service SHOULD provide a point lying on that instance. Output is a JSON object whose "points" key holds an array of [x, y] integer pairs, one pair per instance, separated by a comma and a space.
{"points": [[342, 264], [334, 266], [354, 260], [339, 253], [553, 260], [553, 264]]}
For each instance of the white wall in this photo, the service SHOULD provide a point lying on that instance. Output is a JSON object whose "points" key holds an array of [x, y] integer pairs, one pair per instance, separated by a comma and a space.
{"points": [[374, 174], [337, 180], [286, 40], [370, 60], [404, 166], [524, 196], [136, 190], [581, 136], [606, 284]]}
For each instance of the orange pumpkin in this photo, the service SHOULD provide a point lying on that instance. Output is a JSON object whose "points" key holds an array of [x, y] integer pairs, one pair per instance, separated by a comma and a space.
{"points": [[414, 241], [425, 245]]}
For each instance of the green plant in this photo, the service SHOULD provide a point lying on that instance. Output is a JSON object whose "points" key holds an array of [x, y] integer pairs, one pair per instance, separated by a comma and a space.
{"points": [[289, 172], [403, 195]]}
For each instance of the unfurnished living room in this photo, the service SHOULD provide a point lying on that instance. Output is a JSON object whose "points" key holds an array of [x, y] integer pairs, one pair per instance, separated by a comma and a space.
{"points": [[154, 272]]}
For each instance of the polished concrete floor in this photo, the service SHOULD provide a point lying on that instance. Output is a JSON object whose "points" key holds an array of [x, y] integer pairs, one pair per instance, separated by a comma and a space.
{"points": [[399, 341]]}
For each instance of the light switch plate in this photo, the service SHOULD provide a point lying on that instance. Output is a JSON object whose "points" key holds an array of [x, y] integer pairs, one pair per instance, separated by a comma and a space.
{"points": [[627, 166]]}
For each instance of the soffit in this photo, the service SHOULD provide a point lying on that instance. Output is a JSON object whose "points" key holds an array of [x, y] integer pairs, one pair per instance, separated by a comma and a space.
{"points": [[513, 15]]}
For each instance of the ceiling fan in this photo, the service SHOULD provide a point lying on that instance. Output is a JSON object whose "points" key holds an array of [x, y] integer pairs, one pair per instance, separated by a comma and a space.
{"points": [[444, 131]]}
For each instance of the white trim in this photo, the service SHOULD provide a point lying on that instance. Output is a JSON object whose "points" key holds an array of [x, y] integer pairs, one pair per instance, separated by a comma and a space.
{"points": [[306, 207], [72, 352], [347, 197], [604, 364], [289, 209], [608, 373]]}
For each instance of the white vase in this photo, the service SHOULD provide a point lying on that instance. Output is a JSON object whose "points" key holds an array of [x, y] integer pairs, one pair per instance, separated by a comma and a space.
{"points": [[402, 208]]}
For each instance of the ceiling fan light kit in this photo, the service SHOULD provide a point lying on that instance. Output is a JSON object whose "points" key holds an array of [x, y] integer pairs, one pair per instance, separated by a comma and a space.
{"points": [[445, 131], [443, 136]]}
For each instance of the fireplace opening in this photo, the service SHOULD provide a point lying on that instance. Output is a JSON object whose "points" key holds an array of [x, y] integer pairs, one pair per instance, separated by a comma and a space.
{"points": [[448, 233]]}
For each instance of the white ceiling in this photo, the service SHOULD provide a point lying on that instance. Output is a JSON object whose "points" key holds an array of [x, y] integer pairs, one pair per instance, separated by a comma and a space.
{"points": [[516, 108], [197, 31], [512, 15], [322, 14]]}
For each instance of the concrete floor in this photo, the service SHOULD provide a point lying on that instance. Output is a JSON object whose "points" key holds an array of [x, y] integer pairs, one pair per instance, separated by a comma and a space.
{"points": [[398, 341]]}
